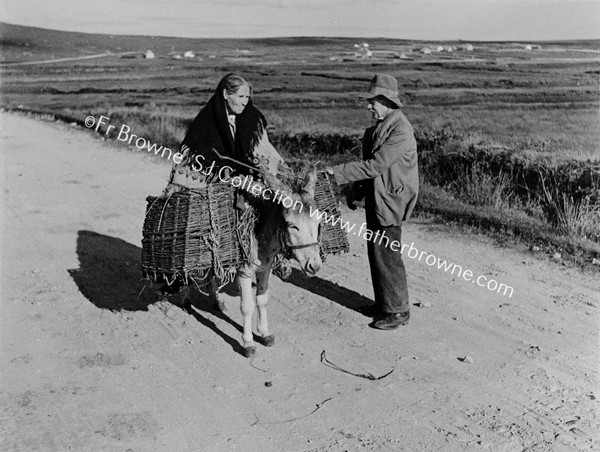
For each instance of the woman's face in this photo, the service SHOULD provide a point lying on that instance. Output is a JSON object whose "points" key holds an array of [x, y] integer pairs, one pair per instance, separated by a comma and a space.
{"points": [[236, 102]]}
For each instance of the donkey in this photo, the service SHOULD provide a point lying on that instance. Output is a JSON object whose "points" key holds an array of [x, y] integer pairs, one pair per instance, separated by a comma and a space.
{"points": [[284, 225]]}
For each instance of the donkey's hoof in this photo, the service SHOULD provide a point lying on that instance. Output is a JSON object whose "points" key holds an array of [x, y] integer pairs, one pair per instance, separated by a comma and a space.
{"points": [[249, 352], [267, 341], [219, 306]]}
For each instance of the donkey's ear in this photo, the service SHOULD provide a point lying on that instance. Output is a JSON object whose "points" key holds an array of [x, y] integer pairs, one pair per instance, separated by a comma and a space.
{"points": [[310, 182], [273, 183]]}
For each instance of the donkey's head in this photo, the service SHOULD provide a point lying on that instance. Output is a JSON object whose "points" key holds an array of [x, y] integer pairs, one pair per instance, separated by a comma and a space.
{"points": [[299, 229]]}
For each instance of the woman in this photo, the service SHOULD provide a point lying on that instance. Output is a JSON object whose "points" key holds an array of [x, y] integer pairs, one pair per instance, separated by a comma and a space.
{"points": [[230, 125]]}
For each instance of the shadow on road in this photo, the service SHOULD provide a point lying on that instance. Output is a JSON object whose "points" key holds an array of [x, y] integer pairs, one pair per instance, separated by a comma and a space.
{"points": [[327, 289], [109, 273], [110, 277]]}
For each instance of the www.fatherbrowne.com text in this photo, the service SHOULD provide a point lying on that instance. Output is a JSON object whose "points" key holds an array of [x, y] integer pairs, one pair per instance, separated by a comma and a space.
{"points": [[247, 183]]}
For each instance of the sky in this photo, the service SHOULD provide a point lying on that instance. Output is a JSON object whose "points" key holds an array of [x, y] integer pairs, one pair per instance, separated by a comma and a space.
{"points": [[477, 20]]}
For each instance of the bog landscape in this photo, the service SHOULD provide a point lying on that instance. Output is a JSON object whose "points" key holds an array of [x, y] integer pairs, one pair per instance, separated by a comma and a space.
{"points": [[506, 127], [508, 139]]}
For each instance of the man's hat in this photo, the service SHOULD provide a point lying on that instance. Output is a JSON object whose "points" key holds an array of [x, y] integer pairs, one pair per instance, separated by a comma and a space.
{"points": [[383, 85]]}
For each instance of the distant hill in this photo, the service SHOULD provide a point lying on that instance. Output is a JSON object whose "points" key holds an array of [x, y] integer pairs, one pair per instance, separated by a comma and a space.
{"points": [[20, 43]]}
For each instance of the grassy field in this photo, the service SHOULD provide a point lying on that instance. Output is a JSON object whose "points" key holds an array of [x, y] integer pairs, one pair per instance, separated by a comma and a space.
{"points": [[545, 100], [541, 106]]}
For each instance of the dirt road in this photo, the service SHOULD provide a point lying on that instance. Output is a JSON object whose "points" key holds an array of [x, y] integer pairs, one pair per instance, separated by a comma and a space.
{"points": [[86, 367]]}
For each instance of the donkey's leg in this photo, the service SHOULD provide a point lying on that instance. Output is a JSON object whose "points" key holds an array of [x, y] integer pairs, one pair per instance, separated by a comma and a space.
{"points": [[262, 298], [247, 308], [186, 298], [213, 294]]}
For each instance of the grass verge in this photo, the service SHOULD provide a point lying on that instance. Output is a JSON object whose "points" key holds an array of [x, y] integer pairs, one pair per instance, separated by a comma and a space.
{"points": [[506, 224]]}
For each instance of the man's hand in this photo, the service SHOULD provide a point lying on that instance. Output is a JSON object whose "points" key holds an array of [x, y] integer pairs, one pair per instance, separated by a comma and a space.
{"points": [[329, 170], [348, 192]]}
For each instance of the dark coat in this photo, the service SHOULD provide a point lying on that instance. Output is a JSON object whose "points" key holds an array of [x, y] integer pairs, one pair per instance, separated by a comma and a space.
{"points": [[389, 170]]}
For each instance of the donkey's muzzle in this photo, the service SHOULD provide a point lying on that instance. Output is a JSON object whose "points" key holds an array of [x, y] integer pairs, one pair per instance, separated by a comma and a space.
{"points": [[312, 266]]}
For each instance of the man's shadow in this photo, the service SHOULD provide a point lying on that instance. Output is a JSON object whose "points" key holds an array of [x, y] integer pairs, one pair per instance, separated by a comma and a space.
{"points": [[109, 276], [327, 289]]}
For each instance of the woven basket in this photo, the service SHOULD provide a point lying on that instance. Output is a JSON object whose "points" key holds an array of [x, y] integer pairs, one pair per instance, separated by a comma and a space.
{"points": [[333, 239], [187, 233], [196, 230]]}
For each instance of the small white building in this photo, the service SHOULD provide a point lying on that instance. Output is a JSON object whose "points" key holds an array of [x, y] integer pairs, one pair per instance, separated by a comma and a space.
{"points": [[149, 55], [469, 47], [449, 49], [440, 49], [362, 51], [425, 51], [189, 54]]}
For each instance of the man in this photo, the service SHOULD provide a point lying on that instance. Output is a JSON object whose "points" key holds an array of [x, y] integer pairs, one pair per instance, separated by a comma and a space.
{"points": [[388, 179]]}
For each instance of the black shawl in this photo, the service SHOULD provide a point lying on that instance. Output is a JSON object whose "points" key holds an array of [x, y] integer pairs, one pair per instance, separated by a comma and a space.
{"points": [[210, 130]]}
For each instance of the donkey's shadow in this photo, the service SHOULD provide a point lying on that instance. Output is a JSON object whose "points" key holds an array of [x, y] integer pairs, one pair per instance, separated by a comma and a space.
{"points": [[109, 276], [109, 273]]}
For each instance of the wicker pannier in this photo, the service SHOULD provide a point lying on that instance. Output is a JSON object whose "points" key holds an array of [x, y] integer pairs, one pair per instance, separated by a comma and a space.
{"points": [[333, 238], [189, 232]]}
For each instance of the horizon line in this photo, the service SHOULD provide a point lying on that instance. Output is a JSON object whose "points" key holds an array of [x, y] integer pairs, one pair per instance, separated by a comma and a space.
{"points": [[302, 37]]}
